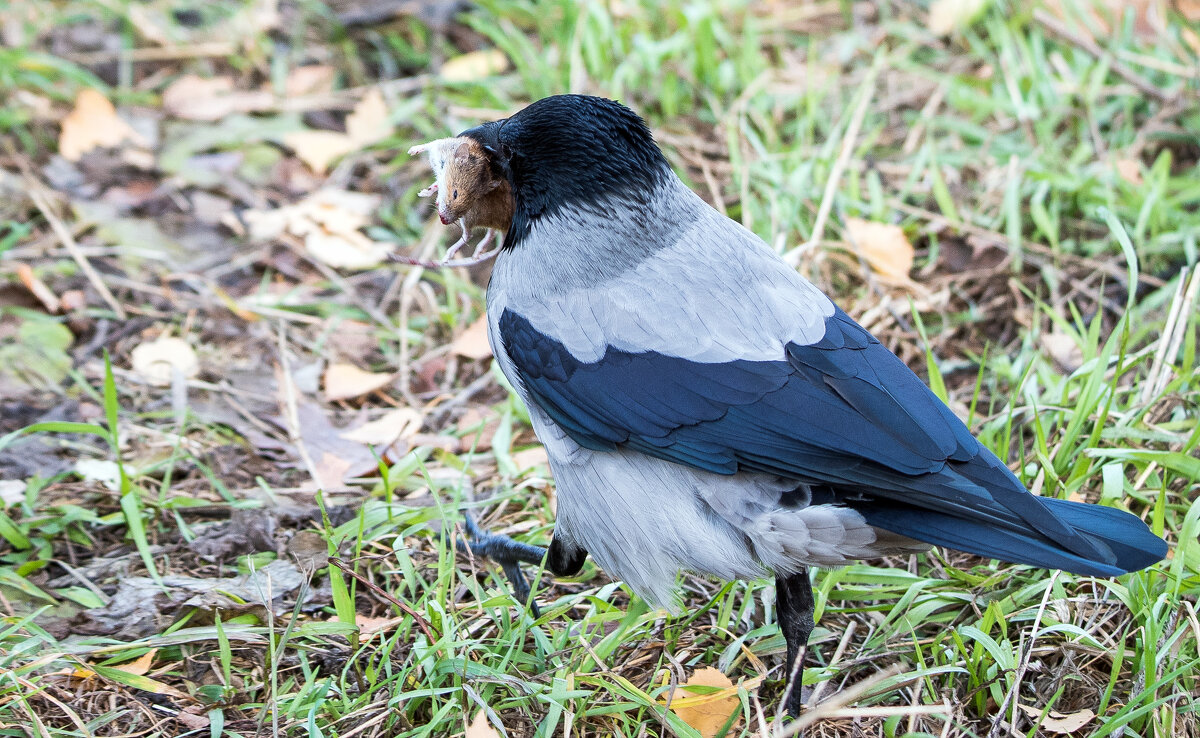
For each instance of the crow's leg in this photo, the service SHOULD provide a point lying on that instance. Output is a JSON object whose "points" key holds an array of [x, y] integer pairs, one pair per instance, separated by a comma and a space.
{"points": [[794, 606], [510, 554]]}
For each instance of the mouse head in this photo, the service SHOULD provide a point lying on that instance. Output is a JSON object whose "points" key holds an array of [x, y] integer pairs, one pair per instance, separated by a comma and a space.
{"points": [[466, 182]]}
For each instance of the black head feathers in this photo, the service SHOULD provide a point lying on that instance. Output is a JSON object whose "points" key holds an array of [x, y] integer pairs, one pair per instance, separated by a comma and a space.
{"points": [[572, 151]]}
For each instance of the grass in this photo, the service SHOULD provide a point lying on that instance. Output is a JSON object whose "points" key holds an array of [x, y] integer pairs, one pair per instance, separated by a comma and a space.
{"points": [[1055, 207]]}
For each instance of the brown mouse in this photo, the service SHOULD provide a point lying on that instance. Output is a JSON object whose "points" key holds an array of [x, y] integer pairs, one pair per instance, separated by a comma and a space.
{"points": [[472, 193]]}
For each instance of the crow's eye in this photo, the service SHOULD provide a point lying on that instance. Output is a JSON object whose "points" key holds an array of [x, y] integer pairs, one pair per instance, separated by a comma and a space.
{"points": [[454, 195]]}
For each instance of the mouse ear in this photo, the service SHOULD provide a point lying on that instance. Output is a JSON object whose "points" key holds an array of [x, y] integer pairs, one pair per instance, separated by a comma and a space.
{"points": [[462, 153], [493, 184]]}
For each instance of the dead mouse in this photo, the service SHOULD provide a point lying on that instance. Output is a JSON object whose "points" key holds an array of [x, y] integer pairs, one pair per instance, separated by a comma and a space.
{"points": [[469, 191]]}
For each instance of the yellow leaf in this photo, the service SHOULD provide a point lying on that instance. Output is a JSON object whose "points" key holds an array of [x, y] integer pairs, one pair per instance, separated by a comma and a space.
{"points": [[139, 666], [706, 710], [480, 728], [884, 246], [1057, 722], [473, 342], [93, 123], [344, 381], [474, 66]]}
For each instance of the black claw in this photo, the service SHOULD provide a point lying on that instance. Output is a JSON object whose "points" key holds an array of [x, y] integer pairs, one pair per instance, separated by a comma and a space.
{"points": [[506, 552]]}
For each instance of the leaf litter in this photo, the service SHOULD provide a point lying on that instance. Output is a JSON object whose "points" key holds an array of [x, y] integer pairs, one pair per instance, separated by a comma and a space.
{"points": [[211, 203]]}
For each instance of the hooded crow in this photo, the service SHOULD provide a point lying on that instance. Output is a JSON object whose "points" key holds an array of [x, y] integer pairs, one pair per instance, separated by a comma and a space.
{"points": [[706, 408]]}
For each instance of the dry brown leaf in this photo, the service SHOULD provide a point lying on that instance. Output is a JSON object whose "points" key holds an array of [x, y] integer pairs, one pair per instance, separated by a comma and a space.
{"points": [[950, 16], [1130, 171], [398, 424], [473, 342], [530, 458], [139, 666], [158, 360], [346, 381], [705, 710], [206, 99], [1057, 722], [318, 148], [310, 80], [350, 250], [93, 123], [481, 728], [367, 124], [884, 246], [369, 121], [1063, 349], [329, 222], [474, 66]]}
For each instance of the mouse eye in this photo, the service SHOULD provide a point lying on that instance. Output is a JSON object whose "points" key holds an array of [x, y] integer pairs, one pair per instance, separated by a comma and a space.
{"points": [[454, 195]]}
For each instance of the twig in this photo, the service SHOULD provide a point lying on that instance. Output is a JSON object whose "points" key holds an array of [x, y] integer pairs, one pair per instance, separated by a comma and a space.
{"points": [[1010, 698], [42, 203], [290, 410], [155, 53], [1058, 28], [421, 622], [866, 94]]}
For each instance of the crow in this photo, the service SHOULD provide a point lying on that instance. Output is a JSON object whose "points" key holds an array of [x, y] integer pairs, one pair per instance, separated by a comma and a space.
{"points": [[705, 408]]}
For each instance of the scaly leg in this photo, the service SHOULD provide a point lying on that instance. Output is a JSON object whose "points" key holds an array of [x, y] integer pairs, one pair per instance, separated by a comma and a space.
{"points": [[794, 606], [510, 554]]}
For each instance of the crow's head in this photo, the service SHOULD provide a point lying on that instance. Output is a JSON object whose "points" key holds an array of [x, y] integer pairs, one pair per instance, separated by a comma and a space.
{"points": [[572, 151]]}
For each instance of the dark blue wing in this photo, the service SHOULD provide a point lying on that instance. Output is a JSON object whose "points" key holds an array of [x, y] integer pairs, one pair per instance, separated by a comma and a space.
{"points": [[844, 412]]}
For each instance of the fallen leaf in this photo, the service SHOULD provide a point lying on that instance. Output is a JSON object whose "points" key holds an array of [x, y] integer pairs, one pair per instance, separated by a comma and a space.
{"points": [[473, 342], [158, 360], [309, 80], [950, 16], [366, 125], [329, 221], [708, 708], [139, 666], [350, 250], [369, 121], [474, 66], [318, 148], [1130, 171], [368, 625], [346, 381], [1057, 722], [401, 423], [530, 458], [1063, 349], [207, 99], [192, 720], [93, 123], [481, 728], [884, 246]]}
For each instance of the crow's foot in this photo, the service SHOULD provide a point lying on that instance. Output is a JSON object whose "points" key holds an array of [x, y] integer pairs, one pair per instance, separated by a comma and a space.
{"points": [[506, 552]]}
